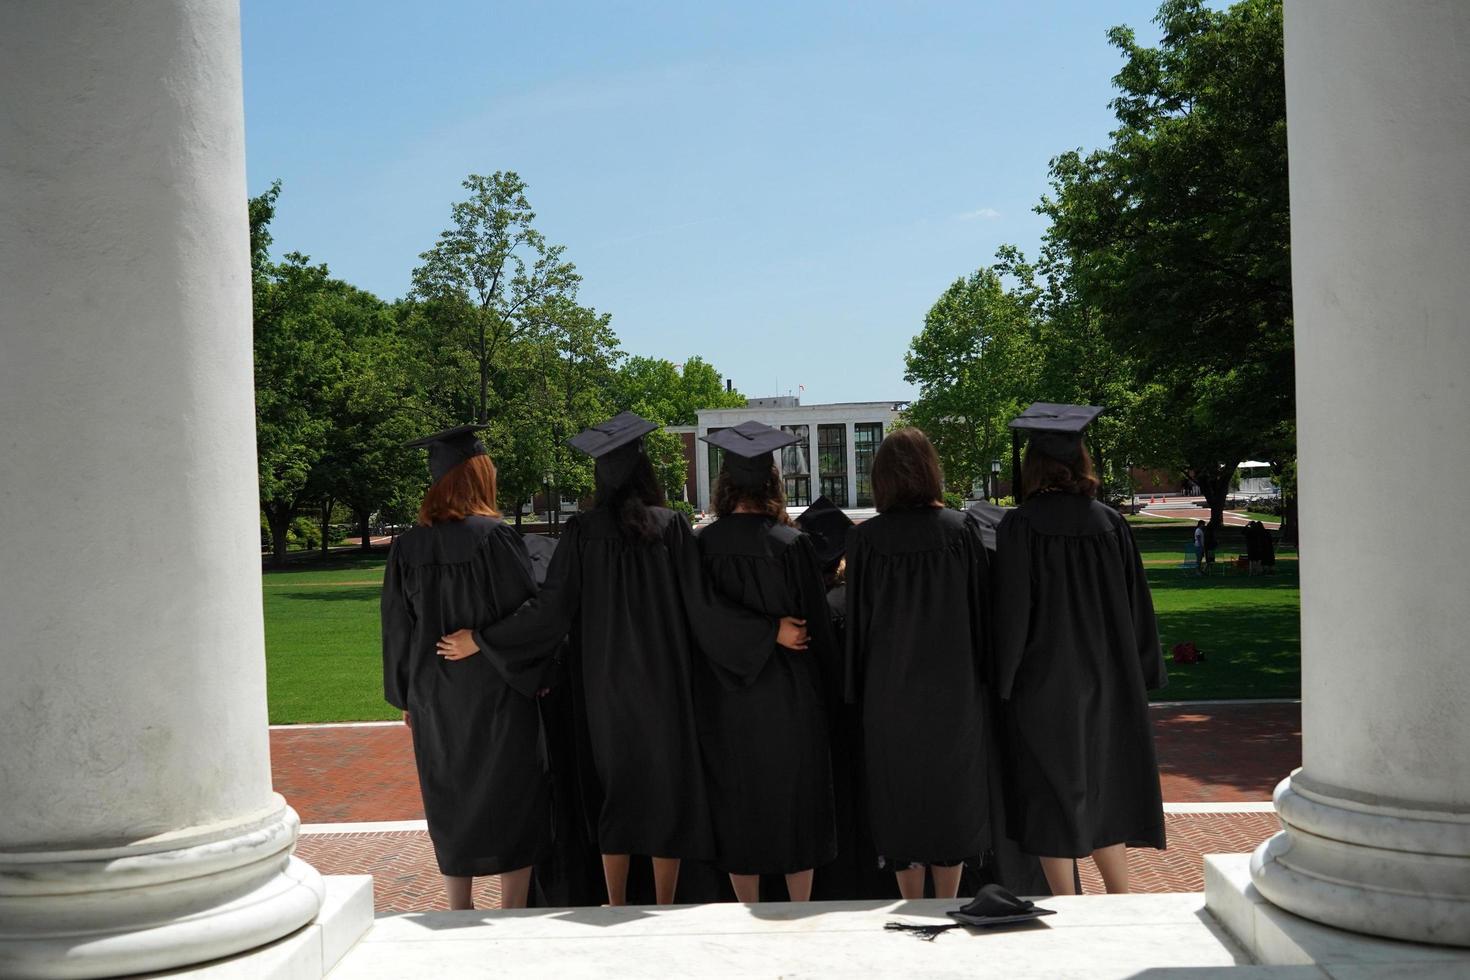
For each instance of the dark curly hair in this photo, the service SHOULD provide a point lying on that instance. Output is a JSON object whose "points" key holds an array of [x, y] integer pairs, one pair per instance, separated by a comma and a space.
{"points": [[769, 499], [1040, 471], [629, 501]]}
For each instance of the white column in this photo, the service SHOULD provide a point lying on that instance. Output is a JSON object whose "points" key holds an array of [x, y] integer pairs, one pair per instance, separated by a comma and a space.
{"points": [[1376, 823], [138, 829]]}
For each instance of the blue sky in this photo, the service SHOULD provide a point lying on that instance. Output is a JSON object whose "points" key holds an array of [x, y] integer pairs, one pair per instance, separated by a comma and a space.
{"points": [[781, 188]]}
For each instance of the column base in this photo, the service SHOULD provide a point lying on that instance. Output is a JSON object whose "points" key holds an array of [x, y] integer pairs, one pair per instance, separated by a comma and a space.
{"points": [[168, 901], [1383, 870]]}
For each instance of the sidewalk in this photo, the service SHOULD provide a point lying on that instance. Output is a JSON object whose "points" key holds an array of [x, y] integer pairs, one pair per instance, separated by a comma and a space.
{"points": [[1223, 758]]}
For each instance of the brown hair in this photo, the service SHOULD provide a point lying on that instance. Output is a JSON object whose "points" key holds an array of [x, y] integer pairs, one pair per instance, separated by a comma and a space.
{"points": [[769, 499], [467, 489], [906, 471], [1040, 472]]}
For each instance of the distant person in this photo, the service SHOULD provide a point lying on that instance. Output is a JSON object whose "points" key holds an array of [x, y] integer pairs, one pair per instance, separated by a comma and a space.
{"points": [[918, 619], [476, 730], [1199, 547], [1268, 551], [626, 582], [1255, 546], [761, 710], [1077, 651]]}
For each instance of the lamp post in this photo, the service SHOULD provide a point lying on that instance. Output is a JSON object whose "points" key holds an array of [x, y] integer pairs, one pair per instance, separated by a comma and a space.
{"points": [[546, 495], [995, 479]]}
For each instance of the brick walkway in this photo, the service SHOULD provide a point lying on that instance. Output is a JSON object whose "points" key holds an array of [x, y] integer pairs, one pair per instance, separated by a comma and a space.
{"points": [[1208, 753]]}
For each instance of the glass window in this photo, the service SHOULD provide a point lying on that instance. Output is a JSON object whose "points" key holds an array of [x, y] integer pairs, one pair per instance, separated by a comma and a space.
{"points": [[832, 462], [865, 439], [796, 470], [716, 460]]}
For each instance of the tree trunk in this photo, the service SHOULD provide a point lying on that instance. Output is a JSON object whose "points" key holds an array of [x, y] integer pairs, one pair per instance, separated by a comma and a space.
{"points": [[1288, 520], [519, 503], [326, 526], [1214, 482], [363, 517], [279, 520]]}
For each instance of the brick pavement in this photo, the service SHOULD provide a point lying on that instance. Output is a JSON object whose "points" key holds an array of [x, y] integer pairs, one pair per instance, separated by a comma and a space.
{"points": [[1208, 753], [1223, 752]]}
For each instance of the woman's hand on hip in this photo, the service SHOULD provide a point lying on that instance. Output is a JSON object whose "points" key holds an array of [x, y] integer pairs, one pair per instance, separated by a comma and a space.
{"points": [[458, 645]]}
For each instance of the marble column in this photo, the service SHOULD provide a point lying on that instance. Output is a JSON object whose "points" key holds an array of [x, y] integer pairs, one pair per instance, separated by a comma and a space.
{"points": [[1376, 823], [138, 829]]}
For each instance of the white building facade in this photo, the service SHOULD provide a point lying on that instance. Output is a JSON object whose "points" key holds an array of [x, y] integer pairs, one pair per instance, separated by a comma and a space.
{"points": [[833, 456]]}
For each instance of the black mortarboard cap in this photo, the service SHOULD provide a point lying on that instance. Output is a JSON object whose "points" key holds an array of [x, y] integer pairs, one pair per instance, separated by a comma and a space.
{"points": [[621, 430], [1056, 430], [995, 905], [449, 448], [987, 518], [750, 451], [616, 444], [827, 526]]}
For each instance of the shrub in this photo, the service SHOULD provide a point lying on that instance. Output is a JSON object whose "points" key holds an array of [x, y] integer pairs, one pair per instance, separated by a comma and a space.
{"points": [[684, 507]]}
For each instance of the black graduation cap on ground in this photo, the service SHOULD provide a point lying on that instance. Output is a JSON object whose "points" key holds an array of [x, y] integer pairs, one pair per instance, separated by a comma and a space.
{"points": [[750, 451], [1056, 430], [616, 445], [827, 525], [449, 448], [993, 905]]}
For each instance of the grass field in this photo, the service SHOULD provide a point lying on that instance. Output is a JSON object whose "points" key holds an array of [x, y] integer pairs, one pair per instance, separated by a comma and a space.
{"points": [[323, 660]]}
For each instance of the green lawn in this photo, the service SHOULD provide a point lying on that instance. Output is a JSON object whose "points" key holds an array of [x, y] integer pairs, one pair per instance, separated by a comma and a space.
{"points": [[322, 653], [323, 659], [1248, 628]]}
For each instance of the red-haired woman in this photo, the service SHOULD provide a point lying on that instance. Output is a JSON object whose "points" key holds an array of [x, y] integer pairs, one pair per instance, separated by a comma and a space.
{"points": [[917, 621], [1077, 650], [474, 719]]}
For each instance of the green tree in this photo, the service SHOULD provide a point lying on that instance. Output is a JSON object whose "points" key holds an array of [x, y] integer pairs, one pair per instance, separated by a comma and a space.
{"points": [[561, 377], [973, 363], [1176, 234], [671, 394], [483, 286], [298, 368]]}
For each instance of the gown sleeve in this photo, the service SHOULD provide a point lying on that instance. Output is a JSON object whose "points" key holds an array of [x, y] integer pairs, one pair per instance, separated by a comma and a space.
{"points": [[978, 558], [525, 666], [398, 621], [1012, 591], [804, 581], [1141, 609], [853, 653], [531, 635], [735, 639]]}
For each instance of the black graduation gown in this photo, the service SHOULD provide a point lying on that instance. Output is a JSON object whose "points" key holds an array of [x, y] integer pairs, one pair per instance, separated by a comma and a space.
{"points": [[634, 609], [762, 722], [571, 872], [917, 607], [854, 874], [476, 731], [1077, 650]]}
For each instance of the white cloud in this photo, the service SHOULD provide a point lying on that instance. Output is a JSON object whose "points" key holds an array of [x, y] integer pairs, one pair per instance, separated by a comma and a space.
{"points": [[979, 214]]}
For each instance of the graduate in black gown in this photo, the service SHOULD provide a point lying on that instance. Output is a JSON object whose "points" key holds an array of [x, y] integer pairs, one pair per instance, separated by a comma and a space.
{"points": [[571, 872], [1077, 650], [855, 873], [762, 718], [476, 732], [626, 582], [917, 624]]}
